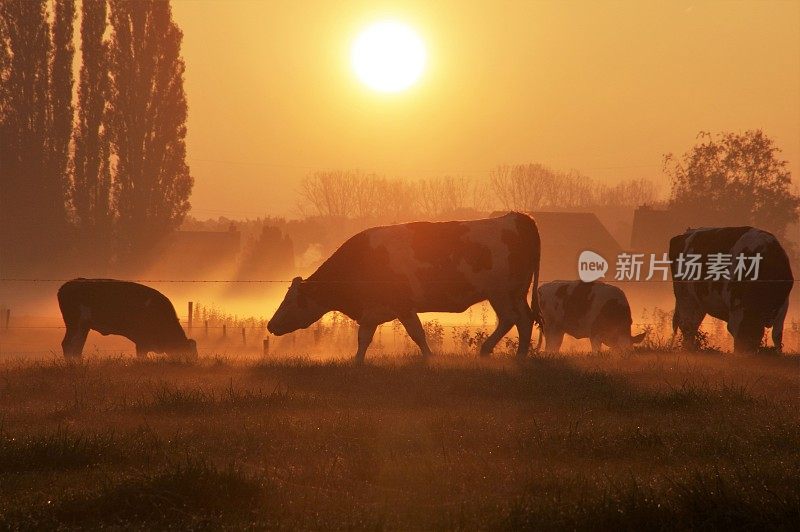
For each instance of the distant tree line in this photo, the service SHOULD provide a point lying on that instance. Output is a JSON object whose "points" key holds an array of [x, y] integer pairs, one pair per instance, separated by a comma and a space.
{"points": [[103, 178], [366, 196], [726, 179], [528, 187], [532, 187]]}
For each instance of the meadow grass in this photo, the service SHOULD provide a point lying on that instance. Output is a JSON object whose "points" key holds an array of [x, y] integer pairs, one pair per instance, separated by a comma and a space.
{"points": [[646, 439]]}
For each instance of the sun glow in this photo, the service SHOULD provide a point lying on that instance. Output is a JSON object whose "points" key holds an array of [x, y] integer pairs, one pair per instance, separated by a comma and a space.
{"points": [[388, 56]]}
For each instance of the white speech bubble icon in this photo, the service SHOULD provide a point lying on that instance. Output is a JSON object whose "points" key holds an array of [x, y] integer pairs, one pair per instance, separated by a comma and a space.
{"points": [[591, 266]]}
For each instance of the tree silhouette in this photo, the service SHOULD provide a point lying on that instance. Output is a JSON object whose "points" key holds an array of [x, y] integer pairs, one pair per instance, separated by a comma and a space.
{"points": [[91, 185], [34, 114], [533, 186], [61, 113], [147, 122], [733, 179]]}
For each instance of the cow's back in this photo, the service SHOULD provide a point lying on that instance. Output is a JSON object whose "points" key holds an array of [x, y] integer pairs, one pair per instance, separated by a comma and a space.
{"points": [[430, 266]]}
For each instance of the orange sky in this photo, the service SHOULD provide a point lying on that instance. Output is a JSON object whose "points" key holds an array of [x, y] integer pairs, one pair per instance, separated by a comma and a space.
{"points": [[602, 87]]}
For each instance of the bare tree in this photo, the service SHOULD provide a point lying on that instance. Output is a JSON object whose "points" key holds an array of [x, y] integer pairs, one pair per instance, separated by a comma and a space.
{"points": [[524, 187], [628, 193], [329, 194], [357, 195], [441, 195], [531, 187], [396, 200]]}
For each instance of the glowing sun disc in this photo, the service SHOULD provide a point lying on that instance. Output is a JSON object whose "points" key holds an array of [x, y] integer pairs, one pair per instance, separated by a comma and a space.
{"points": [[388, 56]]}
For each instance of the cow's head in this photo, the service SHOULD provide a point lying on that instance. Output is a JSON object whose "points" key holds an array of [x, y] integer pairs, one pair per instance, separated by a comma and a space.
{"points": [[191, 348], [626, 341], [297, 311], [185, 348]]}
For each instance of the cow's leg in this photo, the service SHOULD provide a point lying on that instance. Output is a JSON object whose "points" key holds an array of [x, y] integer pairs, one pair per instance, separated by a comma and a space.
{"points": [[504, 325], [747, 332], [416, 332], [365, 333], [777, 326], [141, 351], [597, 344], [74, 340], [505, 320], [553, 339], [524, 324], [688, 321]]}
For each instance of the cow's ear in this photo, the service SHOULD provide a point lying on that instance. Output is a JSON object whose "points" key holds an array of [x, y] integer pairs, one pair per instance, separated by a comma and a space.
{"points": [[296, 281]]}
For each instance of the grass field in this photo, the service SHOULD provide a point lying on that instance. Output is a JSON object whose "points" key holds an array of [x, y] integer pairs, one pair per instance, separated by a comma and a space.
{"points": [[641, 440]]}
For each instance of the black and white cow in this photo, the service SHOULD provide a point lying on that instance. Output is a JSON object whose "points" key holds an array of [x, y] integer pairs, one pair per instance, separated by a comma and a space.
{"points": [[137, 312], [748, 306], [397, 271], [595, 310]]}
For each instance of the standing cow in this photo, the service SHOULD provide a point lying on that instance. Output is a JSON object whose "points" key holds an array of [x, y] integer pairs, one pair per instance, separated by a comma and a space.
{"points": [[595, 310], [137, 312], [748, 306], [397, 271]]}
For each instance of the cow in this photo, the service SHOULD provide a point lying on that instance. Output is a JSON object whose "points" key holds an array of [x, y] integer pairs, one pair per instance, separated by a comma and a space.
{"points": [[748, 306], [595, 310], [137, 312], [397, 271]]}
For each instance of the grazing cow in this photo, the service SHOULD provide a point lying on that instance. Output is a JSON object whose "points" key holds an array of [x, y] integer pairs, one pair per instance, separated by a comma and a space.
{"points": [[397, 271], [132, 310], [748, 306], [595, 310]]}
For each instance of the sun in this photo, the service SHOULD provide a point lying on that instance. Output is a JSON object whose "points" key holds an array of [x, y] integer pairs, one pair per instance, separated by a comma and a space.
{"points": [[388, 56]]}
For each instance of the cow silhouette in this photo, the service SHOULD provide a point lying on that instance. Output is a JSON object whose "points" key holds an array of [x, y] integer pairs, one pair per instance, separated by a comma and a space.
{"points": [[397, 271], [594, 310], [747, 305], [137, 312]]}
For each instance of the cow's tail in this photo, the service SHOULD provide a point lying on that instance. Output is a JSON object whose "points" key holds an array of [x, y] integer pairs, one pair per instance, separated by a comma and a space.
{"points": [[674, 326], [777, 325]]}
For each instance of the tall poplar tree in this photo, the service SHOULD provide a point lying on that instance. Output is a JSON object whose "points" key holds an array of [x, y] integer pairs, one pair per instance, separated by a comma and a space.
{"points": [[147, 122], [91, 185], [59, 130], [26, 189]]}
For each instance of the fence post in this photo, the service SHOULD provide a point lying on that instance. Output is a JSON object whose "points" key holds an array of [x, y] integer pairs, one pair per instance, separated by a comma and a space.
{"points": [[244, 337], [224, 330], [191, 305], [266, 346], [8, 317], [205, 326]]}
